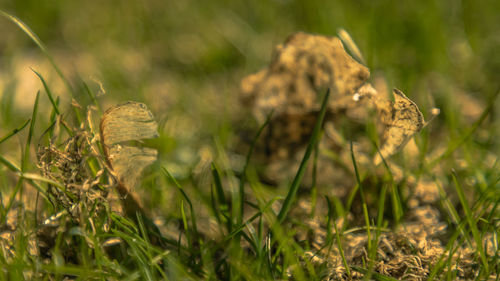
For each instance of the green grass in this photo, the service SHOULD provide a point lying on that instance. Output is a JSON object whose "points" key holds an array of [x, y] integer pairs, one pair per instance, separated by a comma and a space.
{"points": [[218, 220]]}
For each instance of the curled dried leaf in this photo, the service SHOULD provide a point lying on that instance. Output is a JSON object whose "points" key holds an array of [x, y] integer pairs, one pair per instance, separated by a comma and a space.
{"points": [[128, 162], [121, 126], [131, 121]]}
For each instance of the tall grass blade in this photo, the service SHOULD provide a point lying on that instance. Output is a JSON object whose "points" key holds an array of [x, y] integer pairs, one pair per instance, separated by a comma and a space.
{"points": [[362, 194], [32, 35], [24, 159], [9, 164], [191, 209], [441, 262], [244, 172], [30, 134], [374, 275], [397, 206], [15, 131], [48, 91], [471, 221], [54, 102], [221, 196], [337, 237], [302, 168], [92, 96], [464, 137]]}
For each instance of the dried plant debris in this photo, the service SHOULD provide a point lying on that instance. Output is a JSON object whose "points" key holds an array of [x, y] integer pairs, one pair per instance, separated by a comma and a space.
{"points": [[82, 192], [68, 166], [408, 253], [291, 88], [121, 127]]}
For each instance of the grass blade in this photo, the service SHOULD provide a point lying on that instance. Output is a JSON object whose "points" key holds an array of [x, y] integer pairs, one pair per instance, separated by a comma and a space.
{"points": [[30, 134], [14, 132], [337, 237], [464, 137], [191, 209], [54, 102], [244, 172], [92, 96], [24, 159], [32, 35], [226, 212], [374, 275], [471, 221], [302, 168], [48, 91]]}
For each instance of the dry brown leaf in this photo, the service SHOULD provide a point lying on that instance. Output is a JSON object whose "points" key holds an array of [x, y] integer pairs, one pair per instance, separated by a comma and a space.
{"points": [[131, 121], [128, 162], [120, 126]]}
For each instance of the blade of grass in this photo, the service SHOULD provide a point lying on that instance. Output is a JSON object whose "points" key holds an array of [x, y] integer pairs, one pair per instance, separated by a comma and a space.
{"points": [[48, 91], [302, 168], [397, 206], [244, 171], [361, 193], [251, 219], [441, 262], [77, 271], [452, 212], [191, 209], [374, 275], [226, 212], [185, 224], [15, 168], [24, 159], [40, 45], [370, 245], [36, 177], [92, 96], [53, 101], [380, 218], [11, 166], [14, 132], [471, 221], [40, 178], [214, 205], [337, 237], [464, 137], [218, 184], [314, 188]]}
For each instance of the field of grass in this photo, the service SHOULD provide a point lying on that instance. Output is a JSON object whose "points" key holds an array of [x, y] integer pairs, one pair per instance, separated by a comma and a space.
{"points": [[429, 212]]}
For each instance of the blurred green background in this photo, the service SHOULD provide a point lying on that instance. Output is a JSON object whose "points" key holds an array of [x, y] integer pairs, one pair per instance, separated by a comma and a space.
{"points": [[185, 59]]}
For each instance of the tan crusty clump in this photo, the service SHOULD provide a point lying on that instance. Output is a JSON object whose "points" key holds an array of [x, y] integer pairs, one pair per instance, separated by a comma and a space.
{"points": [[292, 86], [299, 68]]}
